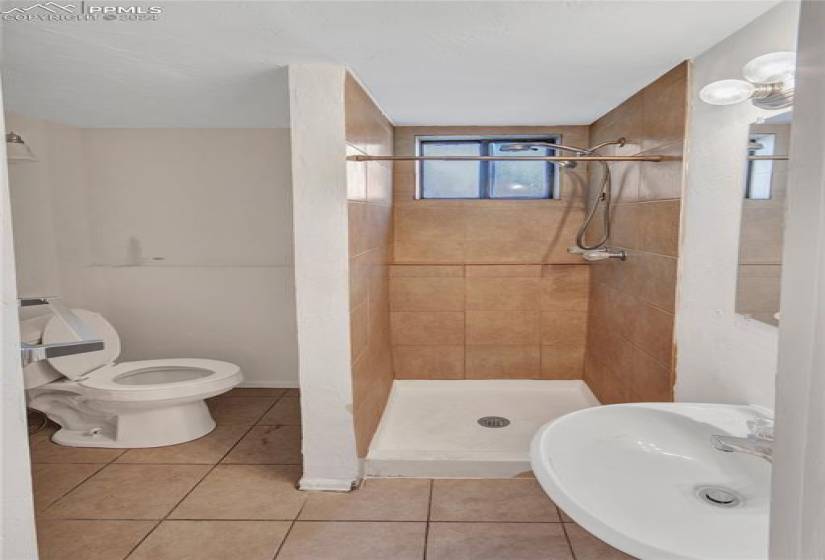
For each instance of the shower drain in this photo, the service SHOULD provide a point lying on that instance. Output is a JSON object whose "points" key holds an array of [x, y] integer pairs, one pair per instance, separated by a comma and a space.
{"points": [[493, 421], [719, 497]]}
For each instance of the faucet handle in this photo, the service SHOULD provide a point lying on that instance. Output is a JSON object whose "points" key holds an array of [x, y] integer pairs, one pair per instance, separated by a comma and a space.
{"points": [[761, 428]]}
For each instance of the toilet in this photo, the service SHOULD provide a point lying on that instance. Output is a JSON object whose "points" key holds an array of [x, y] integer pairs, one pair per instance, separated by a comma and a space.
{"points": [[100, 403]]}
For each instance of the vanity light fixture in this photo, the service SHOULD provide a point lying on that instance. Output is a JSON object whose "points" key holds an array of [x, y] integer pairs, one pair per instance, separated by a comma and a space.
{"points": [[16, 149], [768, 83]]}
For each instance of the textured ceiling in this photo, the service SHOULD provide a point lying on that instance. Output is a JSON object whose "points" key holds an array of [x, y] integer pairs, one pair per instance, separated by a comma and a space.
{"points": [[220, 64]]}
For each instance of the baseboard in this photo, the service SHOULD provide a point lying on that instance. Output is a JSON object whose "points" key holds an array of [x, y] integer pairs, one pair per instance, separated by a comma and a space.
{"points": [[327, 484], [269, 384]]}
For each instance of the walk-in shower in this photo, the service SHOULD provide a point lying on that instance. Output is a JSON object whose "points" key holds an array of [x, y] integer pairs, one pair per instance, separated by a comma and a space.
{"points": [[603, 198]]}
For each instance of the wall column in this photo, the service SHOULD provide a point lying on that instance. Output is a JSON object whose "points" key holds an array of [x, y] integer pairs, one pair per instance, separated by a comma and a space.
{"points": [[319, 176]]}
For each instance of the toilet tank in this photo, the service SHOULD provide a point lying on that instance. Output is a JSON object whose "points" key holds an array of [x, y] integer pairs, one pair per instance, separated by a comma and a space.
{"points": [[36, 373]]}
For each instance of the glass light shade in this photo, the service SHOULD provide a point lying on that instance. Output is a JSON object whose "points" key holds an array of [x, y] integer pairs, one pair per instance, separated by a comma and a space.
{"points": [[772, 67], [726, 92]]}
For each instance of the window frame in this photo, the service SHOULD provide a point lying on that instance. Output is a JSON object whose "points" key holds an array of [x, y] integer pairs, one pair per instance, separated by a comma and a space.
{"points": [[485, 167], [752, 165]]}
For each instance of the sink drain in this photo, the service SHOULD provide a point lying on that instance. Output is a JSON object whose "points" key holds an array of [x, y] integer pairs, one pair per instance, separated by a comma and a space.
{"points": [[494, 421], [719, 497]]}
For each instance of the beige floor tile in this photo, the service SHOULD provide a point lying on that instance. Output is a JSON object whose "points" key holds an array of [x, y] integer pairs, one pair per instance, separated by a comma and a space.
{"points": [[286, 411], [44, 450], [239, 410], [245, 492], [377, 500], [314, 540], [587, 547], [254, 392], [268, 445], [497, 541], [61, 539], [128, 492], [213, 540], [520, 499], [207, 450], [52, 481]]}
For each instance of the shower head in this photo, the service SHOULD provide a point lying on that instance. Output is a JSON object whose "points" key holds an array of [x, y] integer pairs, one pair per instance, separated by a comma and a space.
{"points": [[535, 146], [519, 147]]}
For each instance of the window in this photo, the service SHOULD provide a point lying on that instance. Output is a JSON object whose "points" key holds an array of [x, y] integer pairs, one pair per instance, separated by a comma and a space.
{"points": [[760, 171], [484, 179]]}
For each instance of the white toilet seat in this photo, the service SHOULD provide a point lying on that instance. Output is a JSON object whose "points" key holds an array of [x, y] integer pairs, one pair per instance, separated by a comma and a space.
{"points": [[195, 377]]}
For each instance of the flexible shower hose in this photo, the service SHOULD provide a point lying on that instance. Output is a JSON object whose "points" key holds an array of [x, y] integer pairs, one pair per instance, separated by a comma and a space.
{"points": [[603, 198]]}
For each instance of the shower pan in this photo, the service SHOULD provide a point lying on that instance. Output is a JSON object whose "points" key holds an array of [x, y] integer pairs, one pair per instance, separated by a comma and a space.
{"points": [[468, 427]]}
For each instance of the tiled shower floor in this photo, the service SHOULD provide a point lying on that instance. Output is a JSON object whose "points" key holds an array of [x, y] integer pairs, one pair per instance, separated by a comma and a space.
{"points": [[231, 496], [430, 429]]}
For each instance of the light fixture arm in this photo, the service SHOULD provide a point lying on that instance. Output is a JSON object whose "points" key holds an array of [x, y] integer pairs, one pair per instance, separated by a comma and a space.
{"points": [[774, 95]]}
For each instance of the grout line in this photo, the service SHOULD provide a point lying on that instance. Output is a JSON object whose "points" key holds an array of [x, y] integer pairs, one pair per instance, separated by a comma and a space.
{"points": [[466, 326], [248, 396], [102, 463], [146, 536], [567, 537], [289, 531], [210, 464], [429, 511], [157, 522], [200, 480], [287, 520], [100, 467], [639, 298], [642, 350], [174, 507], [73, 488]]}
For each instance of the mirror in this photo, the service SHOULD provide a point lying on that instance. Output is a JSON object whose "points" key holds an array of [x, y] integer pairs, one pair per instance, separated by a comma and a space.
{"points": [[763, 212]]}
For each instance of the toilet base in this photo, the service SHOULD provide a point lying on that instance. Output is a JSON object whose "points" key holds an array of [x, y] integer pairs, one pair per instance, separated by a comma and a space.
{"points": [[154, 426]]}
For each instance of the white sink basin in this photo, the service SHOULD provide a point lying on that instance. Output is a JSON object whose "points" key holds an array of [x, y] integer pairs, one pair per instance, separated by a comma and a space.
{"points": [[632, 475]]}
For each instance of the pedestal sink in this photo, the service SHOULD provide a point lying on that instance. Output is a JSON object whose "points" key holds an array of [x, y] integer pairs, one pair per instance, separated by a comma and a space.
{"points": [[645, 479]]}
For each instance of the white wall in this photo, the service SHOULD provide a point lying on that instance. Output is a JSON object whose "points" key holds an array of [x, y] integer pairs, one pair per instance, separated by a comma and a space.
{"points": [[182, 238], [798, 488], [722, 356], [316, 94], [17, 534]]}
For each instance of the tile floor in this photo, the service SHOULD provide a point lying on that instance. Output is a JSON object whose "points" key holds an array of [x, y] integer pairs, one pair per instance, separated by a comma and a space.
{"points": [[232, 494]]}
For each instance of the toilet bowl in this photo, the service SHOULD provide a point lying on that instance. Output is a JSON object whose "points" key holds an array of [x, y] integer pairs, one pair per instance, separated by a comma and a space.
{"points": [[100, 403]]}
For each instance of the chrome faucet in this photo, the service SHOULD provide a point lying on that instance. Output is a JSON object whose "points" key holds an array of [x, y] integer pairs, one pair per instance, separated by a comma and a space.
{"points": [[87, 340], [759, 441]]}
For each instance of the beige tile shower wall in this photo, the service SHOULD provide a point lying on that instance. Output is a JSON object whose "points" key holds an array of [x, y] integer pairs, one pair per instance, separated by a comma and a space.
{"points": [[369, 194], [630, 351], [488, 321], [485, 289], [760, 240]]}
